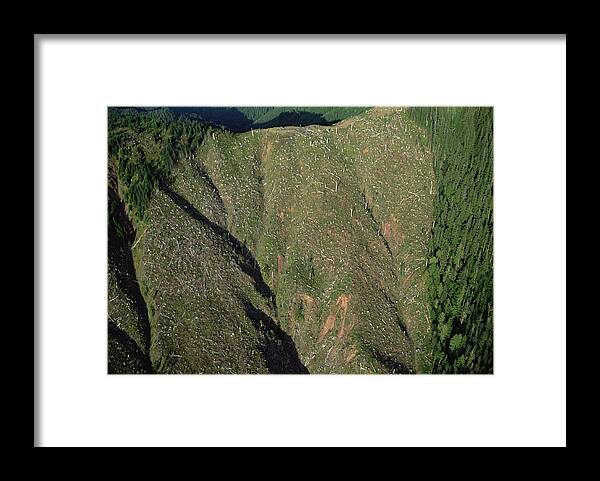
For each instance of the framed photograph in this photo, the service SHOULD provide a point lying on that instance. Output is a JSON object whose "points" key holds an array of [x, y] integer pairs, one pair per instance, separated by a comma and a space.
{"points": [[368, 212]]}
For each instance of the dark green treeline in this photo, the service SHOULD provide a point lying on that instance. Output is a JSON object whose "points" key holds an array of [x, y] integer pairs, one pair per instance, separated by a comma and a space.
{"points": [[460, 267], [145, 146]]}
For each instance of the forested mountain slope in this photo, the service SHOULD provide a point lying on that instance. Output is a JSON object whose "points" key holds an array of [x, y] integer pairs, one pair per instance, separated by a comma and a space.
{"points": [[290, 249], [460, 272]]}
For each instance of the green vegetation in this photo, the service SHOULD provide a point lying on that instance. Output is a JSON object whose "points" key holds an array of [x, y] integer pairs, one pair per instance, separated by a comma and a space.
{"points": [[460, 268], [358, 247], [242, 119], [146, 143], [145, 146]]}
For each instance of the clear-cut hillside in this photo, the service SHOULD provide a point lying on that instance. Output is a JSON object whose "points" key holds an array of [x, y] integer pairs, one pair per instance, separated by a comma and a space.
{"points": [[292, 249]]}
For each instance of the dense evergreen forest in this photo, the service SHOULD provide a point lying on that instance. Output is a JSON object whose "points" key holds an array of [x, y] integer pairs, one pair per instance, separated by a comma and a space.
{"points": [[142, 165], [461, 247]]}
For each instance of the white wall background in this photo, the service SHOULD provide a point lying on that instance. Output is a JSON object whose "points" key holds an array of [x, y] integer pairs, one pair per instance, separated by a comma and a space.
{"points": [[523, 403]]}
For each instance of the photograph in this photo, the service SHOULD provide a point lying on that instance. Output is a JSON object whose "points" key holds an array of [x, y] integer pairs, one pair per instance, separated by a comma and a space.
{"points": [[215, 214], [300, 240]]}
